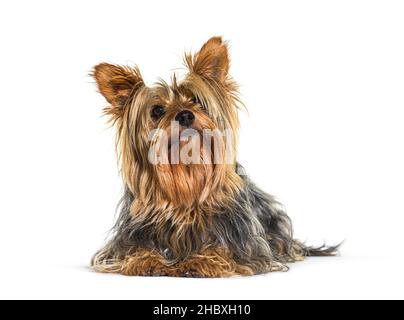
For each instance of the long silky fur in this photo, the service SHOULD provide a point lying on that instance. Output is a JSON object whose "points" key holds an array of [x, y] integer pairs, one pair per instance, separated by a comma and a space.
{"points": [[198, 220]]}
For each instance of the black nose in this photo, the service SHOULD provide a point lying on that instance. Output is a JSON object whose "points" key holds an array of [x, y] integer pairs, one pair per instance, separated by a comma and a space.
{"points": [[185, 118]]}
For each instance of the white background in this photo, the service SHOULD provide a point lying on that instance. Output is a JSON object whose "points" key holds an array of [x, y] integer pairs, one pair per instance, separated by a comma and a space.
{"points": [[323, 83]]}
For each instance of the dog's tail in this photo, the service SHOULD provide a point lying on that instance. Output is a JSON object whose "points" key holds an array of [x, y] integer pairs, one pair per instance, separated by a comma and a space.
{"points": [[322, 251]]}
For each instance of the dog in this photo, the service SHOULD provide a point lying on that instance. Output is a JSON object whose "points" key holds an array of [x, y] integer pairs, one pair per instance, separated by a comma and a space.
{"points": [[196, 214]]}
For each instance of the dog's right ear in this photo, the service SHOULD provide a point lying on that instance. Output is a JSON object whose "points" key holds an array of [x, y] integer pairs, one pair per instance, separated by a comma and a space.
{"points": [[117, 83]]}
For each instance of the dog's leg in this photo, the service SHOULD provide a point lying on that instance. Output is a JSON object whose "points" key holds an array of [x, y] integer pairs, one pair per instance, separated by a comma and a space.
{"points": [[208, 264], [212, 263], [144, 262]]}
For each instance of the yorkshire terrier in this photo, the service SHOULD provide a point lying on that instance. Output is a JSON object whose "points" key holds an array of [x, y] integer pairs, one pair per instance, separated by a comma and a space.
{"points": [[188, 210]]}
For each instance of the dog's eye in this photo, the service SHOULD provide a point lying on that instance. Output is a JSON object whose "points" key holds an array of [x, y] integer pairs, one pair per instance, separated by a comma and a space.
{"points": [[195, 100], [157, 112]]}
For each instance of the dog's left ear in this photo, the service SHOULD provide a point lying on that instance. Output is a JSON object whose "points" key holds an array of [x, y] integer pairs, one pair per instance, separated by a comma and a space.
{"points": [[212, 61], [117, 83]]}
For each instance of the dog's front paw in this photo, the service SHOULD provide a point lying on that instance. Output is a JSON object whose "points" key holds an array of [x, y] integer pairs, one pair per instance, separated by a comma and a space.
{"points": [[192, 274]]}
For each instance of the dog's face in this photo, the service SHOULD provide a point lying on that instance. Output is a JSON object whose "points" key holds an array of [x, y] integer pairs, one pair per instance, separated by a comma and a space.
{"points": [[181, 136]]}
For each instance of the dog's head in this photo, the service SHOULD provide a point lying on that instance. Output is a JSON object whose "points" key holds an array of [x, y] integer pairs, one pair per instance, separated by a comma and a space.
{"points": [[178, 139]]}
